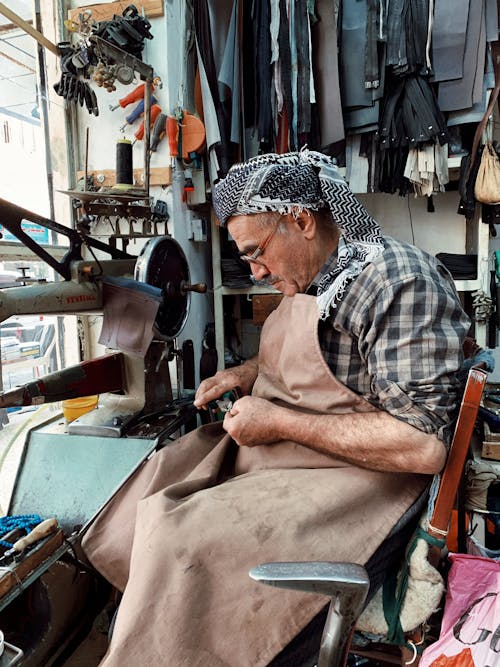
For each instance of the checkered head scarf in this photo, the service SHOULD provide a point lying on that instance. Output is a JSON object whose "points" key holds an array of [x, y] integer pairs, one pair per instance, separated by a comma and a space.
{"points": [[293, 182]]}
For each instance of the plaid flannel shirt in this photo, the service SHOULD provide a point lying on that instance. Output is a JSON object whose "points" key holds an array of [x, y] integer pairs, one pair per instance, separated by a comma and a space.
{"points": [[396, 337]]}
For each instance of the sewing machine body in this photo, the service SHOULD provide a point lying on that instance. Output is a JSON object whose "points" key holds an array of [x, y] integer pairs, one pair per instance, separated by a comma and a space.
{"points": [[81, 294], [70, 470]]}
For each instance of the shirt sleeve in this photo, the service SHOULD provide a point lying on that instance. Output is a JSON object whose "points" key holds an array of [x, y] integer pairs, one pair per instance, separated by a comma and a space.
{"points": [[411, 338]]}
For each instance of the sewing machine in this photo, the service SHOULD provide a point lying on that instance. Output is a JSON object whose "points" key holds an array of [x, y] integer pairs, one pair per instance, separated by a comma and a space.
{"points": [[152, 289], [70, 471]]}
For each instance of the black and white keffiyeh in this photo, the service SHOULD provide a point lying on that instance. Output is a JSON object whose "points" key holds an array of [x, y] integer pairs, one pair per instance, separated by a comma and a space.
{"points": [[304, 180]]}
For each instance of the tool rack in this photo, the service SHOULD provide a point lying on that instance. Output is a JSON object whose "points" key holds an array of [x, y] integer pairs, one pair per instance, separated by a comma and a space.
{"points": [[134, 203]]}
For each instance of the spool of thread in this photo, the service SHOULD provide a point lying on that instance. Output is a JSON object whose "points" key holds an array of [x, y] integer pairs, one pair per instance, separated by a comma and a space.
{"points": [[124, 169]]}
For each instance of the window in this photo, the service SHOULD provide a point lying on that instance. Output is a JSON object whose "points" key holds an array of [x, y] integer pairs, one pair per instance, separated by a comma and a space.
{"points": [[31, 344]]}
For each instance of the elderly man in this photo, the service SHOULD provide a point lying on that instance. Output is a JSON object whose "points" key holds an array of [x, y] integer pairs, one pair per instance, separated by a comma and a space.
{"points": [[345, 414]]}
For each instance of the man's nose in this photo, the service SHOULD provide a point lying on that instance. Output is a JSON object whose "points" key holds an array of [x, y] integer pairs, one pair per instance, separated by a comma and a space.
{"points": [[260, 271]]}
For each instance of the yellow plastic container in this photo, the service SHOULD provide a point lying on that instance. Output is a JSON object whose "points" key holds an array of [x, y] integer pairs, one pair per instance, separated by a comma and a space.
{"points": [[75, 407]]}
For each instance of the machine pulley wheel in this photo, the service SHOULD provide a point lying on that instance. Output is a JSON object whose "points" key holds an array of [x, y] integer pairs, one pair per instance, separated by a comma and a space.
{"points": [[162, 264]]}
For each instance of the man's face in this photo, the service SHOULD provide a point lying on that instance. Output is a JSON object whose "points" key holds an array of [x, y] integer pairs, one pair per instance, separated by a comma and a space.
{"points": [[281, 257]]}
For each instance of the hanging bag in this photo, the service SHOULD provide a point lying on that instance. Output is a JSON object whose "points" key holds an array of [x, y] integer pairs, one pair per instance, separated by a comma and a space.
{"points": [[487, 183], [487, 186]]}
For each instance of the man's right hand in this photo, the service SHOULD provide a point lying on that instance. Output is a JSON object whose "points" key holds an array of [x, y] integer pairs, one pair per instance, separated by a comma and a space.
{"points": [[214, 387]]}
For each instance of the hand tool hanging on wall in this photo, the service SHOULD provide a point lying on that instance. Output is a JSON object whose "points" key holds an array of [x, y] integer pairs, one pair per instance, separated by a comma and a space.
{"points": [[159, 131], [155, 112], [134, 96], [75, 66], [171, 127], [137, 112]]}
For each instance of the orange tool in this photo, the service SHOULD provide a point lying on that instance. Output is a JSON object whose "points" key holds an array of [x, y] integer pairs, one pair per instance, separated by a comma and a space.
{"points": [[155, 111], [172, 133], [136, 94], [193, 134]]}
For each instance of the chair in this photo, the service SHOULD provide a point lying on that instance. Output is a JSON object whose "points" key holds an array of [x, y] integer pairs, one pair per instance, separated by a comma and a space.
{"points": [[347, 584]]}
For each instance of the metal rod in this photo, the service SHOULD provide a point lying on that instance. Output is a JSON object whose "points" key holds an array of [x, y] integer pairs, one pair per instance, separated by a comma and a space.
{"points": [[86, 157], [147, 132]]}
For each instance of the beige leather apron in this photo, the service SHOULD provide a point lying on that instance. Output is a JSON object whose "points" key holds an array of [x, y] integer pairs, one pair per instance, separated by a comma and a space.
{"points": [[189, 600]]}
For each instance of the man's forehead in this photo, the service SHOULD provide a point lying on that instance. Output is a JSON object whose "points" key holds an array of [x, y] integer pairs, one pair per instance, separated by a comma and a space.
{"points": [[243, 224], [243, 230]]}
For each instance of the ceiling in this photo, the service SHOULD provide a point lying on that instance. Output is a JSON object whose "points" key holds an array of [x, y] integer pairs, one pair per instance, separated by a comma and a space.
{"points": [[18, 90]]}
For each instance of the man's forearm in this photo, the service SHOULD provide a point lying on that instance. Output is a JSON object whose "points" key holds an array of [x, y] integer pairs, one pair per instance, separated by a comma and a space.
{"points": [[374, 440]]}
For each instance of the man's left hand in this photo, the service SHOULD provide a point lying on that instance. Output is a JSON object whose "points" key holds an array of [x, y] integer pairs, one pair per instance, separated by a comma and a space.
{"points": [[253, 421]]}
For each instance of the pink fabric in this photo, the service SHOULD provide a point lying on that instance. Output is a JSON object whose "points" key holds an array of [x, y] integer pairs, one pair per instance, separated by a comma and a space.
{"points": [[470, 631]]}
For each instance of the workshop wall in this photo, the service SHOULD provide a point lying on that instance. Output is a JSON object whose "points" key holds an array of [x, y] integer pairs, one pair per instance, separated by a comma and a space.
{"points": [[408, 219], [96, 139]]}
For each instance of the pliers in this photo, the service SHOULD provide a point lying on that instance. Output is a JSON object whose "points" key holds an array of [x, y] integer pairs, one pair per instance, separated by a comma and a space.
{"points": [[224, 404]]}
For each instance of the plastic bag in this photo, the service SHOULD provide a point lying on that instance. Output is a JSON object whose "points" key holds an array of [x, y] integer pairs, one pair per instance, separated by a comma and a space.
{"points": [[470, 631]]}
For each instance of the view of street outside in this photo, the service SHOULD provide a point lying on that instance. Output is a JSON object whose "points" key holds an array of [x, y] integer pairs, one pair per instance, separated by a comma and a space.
{"points": [[27, 348], [23, 181]]}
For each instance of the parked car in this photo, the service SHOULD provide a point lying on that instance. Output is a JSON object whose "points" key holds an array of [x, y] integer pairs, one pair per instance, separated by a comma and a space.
{"points": [[27, 346], [26, 328], [11, 328], [10, 348]]}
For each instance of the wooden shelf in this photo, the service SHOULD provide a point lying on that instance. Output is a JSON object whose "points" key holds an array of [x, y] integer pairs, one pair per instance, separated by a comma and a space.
{"points": [[105, 12]]}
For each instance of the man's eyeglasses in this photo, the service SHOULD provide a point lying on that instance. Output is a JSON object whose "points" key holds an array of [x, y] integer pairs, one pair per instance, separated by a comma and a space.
{"points": [[259, 250]]}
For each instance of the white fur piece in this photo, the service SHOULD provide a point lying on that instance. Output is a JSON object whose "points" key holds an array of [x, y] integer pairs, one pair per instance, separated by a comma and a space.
{"points": [[425, 588]]}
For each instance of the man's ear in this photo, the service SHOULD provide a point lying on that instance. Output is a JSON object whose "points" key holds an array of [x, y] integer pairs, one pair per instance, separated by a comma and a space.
{"points": [[307, 223]]}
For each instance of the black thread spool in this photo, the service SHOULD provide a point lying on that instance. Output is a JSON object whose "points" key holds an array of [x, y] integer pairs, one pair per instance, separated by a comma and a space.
{"points": [[124, 169]]}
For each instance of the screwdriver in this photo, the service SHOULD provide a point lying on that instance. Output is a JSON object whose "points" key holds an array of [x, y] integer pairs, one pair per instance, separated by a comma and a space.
{"points": [[137, 112], [136, 94], [159, 129], [172, 132], [155, 111]]}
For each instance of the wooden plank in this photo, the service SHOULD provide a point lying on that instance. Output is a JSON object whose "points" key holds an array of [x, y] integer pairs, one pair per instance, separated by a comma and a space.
{"points": [[107, 177], [10, 578], [152, 9], [491, 444], [28, 28], [491, 451]]}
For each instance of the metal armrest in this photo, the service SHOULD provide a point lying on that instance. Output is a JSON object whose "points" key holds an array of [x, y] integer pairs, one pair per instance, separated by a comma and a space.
{"points": [[345, 583]]}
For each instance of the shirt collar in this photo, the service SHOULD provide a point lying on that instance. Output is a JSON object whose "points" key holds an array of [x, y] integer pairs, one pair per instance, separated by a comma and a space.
{"points": [[328, 266]]}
